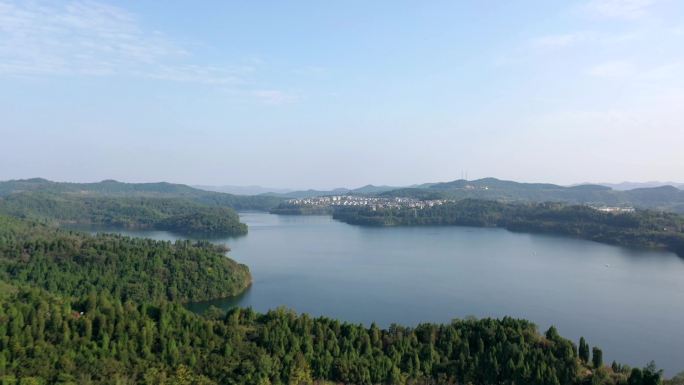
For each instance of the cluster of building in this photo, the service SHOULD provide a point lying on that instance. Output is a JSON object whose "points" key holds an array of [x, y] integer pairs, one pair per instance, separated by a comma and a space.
{"points": [[615, 210], [361, 201]]}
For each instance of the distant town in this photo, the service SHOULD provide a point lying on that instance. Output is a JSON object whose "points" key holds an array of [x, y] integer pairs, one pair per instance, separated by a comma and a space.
{"points": [[398, 202], [613, 209], [372, 202]]}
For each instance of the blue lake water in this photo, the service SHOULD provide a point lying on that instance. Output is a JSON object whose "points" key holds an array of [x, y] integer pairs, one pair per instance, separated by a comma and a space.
{"points": [[630, 303]]}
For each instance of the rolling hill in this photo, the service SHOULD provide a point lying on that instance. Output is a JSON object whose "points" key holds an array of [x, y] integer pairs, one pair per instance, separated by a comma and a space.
{"points": [[666, 198], [112, 188]]}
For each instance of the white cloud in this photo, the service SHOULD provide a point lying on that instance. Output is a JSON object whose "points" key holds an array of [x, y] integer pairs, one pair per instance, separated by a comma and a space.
{"points": [[613, 69], [93, 39], [619, 9]]}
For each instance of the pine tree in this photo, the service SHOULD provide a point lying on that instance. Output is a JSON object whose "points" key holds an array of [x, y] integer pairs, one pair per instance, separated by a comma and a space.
{"points": [[583, 350], [597, 357]]}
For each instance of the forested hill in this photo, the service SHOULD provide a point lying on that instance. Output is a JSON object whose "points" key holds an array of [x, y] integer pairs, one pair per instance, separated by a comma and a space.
{"points": [[179, 215], [163, 206], [640, 229], [101, 340], [77, 264], [666, 198], [111, 188]]}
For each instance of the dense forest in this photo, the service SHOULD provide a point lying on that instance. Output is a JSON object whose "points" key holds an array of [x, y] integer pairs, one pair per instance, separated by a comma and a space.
{"points": [[642, 228], [78, 264], [80, 309], [104, 340], [174, 214]]}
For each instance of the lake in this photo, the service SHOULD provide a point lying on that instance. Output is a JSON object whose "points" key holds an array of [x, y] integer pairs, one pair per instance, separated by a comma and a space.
{"points": [[630, 303]]}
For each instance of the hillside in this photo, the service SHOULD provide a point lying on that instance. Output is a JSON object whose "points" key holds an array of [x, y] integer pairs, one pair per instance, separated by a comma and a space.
{"points": [[77, 264], [179, 215], [111, 188], [106, 341], [666, 198], [163, 206]]}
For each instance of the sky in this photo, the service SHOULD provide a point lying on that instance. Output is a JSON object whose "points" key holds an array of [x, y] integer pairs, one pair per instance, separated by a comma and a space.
{"points": [[323, 94]]}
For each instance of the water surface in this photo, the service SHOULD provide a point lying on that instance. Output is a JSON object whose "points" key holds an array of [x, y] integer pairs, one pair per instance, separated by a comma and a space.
{"points": [[630, 303]]}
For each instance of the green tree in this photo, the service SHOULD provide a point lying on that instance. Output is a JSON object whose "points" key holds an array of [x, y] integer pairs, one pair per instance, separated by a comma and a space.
{"points": [[636, 377], [301, 373], [583, 350], [596, 357], [651, 374]]}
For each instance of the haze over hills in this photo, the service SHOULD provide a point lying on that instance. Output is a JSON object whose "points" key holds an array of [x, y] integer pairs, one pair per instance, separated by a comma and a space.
{"points": [[244, 190], [377, 189], [668, 198], [290, 193], [367, 189], [623, 186]]}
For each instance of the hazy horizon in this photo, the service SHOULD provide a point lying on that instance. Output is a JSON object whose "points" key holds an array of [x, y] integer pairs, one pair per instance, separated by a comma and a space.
{"points": [[327, 95], [284, 189]]}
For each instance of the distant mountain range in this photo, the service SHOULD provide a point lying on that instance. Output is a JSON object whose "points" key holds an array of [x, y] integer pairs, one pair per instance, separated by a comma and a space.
{"points": [[372, 189], [634, 185], [292, 194], [244, 190], [661, 197], [667, 198], [365, 190]]}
